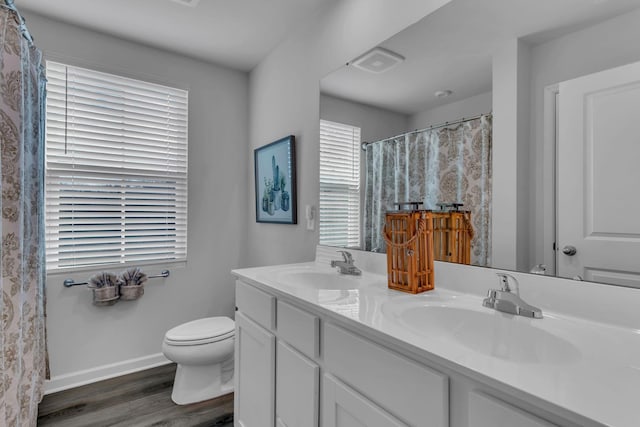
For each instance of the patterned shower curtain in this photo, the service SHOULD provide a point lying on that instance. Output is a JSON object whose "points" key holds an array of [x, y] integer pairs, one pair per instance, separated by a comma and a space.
{"points": [[22, 335], [446, 165]]}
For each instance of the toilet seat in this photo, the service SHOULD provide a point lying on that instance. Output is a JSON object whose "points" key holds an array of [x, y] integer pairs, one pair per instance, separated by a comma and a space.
{"points": [[201, 331]]}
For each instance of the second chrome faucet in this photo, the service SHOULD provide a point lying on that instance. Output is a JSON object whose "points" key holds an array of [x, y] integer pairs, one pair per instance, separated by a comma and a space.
{"points": [[506, 301]]}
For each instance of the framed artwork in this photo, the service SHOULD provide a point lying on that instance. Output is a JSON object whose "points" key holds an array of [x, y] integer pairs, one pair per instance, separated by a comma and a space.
{"points": [[275, 171]]}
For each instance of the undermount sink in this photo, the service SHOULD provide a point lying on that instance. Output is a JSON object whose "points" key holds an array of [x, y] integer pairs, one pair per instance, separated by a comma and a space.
{"points": [[489, 333], [327, 279]]}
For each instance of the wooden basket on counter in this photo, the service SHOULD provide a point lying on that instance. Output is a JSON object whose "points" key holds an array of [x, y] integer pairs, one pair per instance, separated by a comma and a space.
{"points": [[409, 238], [452, 234]]}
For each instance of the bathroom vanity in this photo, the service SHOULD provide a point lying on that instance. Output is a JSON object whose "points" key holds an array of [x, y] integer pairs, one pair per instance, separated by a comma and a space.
{"points": [[316, 348]]}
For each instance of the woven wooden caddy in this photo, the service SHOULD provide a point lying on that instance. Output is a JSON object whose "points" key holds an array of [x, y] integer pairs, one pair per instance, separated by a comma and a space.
{"points": [[452, 234], [416, 237], [408, 235]]}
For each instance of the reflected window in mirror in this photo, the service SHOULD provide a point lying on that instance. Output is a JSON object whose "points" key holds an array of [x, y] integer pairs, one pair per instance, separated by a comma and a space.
{"points": [[339, 184]]}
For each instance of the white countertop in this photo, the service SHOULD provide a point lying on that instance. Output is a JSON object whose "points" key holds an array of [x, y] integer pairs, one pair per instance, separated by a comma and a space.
{"points": [[585, 367]]}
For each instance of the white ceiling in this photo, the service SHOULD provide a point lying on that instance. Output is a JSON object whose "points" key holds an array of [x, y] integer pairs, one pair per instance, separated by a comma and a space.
{"points": [[234, 33], [451, 49]]}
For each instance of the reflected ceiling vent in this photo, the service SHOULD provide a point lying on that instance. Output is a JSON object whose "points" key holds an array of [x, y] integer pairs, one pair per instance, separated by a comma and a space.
{"points": [[377, 60], [190, 3]]}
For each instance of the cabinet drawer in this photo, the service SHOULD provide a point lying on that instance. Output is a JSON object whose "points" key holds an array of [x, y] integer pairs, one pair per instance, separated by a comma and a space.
{"points": [[299, 328], [258, 305], [417, 395]]}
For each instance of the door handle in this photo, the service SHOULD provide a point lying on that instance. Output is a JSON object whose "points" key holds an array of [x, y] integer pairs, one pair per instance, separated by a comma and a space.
{"points": [[569, 250]]}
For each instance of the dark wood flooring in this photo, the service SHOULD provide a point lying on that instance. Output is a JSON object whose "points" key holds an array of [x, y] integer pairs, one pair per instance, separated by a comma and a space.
{"points": [[141, 399]]}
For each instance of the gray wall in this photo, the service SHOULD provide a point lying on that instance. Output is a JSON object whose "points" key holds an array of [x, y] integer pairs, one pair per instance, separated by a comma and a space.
{"points": [[284, 99], [86, 342], [468, 107], [375, 123]]}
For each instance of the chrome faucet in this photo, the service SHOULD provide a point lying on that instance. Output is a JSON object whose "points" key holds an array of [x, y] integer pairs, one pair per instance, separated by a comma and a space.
{"points": [[505, 300], [346, 266]]}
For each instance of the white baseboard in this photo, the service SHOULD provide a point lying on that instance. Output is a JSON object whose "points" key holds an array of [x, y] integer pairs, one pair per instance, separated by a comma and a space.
{"points": [[88, 376]]}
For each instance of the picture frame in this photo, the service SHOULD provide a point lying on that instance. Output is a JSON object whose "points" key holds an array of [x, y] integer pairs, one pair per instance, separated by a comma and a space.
{"points": [[275, 175]]}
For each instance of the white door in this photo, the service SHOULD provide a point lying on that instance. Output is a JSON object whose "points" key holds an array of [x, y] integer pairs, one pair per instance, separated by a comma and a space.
{"points": [[254, 400], [599, 177]]}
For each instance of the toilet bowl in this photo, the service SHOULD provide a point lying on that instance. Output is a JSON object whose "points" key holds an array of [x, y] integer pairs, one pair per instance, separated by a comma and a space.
{"points": [[203, 350]]}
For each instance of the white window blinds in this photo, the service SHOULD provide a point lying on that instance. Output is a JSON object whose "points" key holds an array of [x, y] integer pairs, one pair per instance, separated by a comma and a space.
{"points": [[116, 169], [339, 184]]}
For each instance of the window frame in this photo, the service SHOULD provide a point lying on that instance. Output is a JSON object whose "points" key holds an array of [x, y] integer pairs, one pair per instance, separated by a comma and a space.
{"points": [[176, 201]]}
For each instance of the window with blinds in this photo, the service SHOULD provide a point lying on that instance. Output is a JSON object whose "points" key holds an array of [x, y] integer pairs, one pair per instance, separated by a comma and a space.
{"points": [[116, 169], [339, 184]]}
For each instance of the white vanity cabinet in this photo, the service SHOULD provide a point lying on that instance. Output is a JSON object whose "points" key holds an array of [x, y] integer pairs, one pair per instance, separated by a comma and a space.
{"points": [[298, 365], [279, 366], [277, 382]]}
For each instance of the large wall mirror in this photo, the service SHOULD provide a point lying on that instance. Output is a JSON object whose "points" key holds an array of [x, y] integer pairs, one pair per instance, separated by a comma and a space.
{"points": [[428, 119]]}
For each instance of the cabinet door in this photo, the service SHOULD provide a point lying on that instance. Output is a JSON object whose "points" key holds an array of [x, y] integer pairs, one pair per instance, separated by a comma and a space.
{"points": [[485, 411], [297, 389], [344, 407], [254, 402], [410, 391]]}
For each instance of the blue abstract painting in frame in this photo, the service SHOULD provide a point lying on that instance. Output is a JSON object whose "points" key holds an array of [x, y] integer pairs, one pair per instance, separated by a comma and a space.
{"points": [[275, 174]]}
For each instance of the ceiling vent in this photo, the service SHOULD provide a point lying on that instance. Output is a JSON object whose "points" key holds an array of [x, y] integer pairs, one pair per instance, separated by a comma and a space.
{"points": [[377, 60], [190, 3]]}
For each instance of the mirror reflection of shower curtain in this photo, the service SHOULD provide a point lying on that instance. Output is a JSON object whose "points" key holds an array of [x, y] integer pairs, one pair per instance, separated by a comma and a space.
{"points": [[23, 362], [440, 165]]}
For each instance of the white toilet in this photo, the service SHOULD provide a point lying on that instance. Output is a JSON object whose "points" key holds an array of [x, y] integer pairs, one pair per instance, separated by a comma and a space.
{"points": [[203, 350]]}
